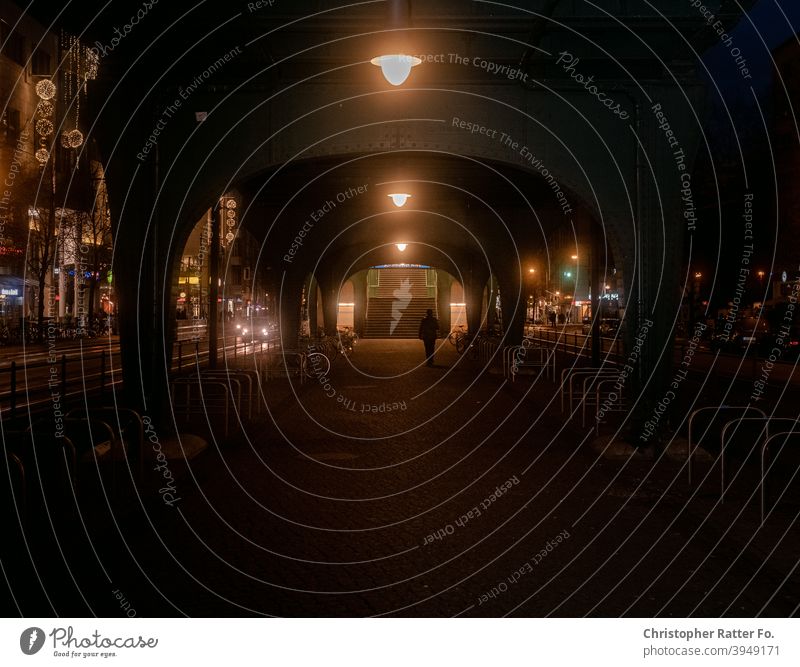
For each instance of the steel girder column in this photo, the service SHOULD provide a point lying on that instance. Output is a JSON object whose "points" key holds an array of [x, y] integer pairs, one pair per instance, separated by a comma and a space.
{"points": [[492, 290], [289, 298], [474, 286], [444, 287], [597, 257], [311, 305], [329, 293], [146, 320], [360, 300], [663, 202], [513, 303]]}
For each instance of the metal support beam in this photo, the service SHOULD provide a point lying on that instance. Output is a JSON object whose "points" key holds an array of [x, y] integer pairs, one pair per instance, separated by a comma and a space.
{"points": [[213, 288]]}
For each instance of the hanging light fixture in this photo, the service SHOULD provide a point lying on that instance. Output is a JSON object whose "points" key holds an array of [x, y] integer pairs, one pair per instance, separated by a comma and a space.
{"points": [[399, 199], [396, 64], [396, 67], [401, 246]]}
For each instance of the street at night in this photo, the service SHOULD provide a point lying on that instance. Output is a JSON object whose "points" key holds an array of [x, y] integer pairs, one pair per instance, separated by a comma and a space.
{"points": [[448, 313]]}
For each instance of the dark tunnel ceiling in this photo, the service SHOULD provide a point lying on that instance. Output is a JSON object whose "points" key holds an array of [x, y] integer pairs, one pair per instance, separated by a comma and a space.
{"points": [[442, 187]]}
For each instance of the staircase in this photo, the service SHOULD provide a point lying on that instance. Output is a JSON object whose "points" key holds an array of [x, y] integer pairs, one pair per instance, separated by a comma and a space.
{"points": [[398, 303]]}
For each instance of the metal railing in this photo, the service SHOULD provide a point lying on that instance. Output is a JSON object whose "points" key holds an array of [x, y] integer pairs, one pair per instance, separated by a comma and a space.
{"points": [[580, 344], [231, 349], [34, 386]]}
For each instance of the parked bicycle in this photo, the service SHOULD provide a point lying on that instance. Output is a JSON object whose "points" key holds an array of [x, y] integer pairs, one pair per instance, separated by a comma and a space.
{"points": [[346, 341], [459, 338]]}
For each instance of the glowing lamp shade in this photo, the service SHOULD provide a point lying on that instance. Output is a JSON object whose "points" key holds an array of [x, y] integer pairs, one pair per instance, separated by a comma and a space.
{"points": [[399, 199], [401, 246], [397, 67]]}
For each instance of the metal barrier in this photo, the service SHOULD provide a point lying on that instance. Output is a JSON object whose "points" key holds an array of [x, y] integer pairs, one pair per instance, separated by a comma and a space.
{"points": [[129, 429], [282, 363], [569, 374], [767, 450], [580, 345], [719, 412], [232, 348], [512, 365], [767, 424], [95, 446], [600, 395], [249, 381], [32, 385], [204, 397], [486, 348]]}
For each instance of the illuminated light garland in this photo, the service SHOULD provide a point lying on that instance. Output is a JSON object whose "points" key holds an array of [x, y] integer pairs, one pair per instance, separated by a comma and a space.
{"points": [[92, 64], [46, 89], [42, 155], [46, 108], [44, 127], [75, 138]]}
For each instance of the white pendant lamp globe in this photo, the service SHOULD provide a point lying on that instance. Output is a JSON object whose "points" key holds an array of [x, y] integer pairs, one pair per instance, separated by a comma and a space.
{"points": [[399, 199], [401, 246], [396, 67]]}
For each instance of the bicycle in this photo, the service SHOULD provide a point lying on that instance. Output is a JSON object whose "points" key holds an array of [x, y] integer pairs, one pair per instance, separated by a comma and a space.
{"points": [[455, 334], [460, 339], [346, 341]]}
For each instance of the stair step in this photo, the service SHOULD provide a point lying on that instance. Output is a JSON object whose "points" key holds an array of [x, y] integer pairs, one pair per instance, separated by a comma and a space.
{"points": [[380, 316]]}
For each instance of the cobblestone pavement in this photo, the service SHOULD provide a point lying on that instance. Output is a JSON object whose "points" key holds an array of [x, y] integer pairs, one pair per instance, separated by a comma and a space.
{"points": [[390, 488]]}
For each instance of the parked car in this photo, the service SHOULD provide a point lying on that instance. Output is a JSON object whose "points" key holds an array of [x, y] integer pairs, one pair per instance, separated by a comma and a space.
{"points": [[608, 325], [788, 343], [749, 333]]}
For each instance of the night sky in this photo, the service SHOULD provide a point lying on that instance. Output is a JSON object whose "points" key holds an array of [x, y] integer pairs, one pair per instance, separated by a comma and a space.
{"points": [[766, 27]]}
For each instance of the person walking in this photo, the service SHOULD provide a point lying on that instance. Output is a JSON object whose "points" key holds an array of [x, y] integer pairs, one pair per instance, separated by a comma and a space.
{"points": [[428, 331]]}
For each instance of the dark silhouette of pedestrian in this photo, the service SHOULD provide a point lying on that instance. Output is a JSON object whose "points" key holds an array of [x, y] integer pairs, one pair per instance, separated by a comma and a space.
{"points": [[428, 331]]}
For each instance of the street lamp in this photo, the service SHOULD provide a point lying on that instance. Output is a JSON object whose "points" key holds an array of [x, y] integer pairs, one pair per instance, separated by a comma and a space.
{"points": [[396, 67]]}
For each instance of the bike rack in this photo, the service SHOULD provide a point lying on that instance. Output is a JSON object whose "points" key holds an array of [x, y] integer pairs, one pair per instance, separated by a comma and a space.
{"points": [[743, 411]]}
